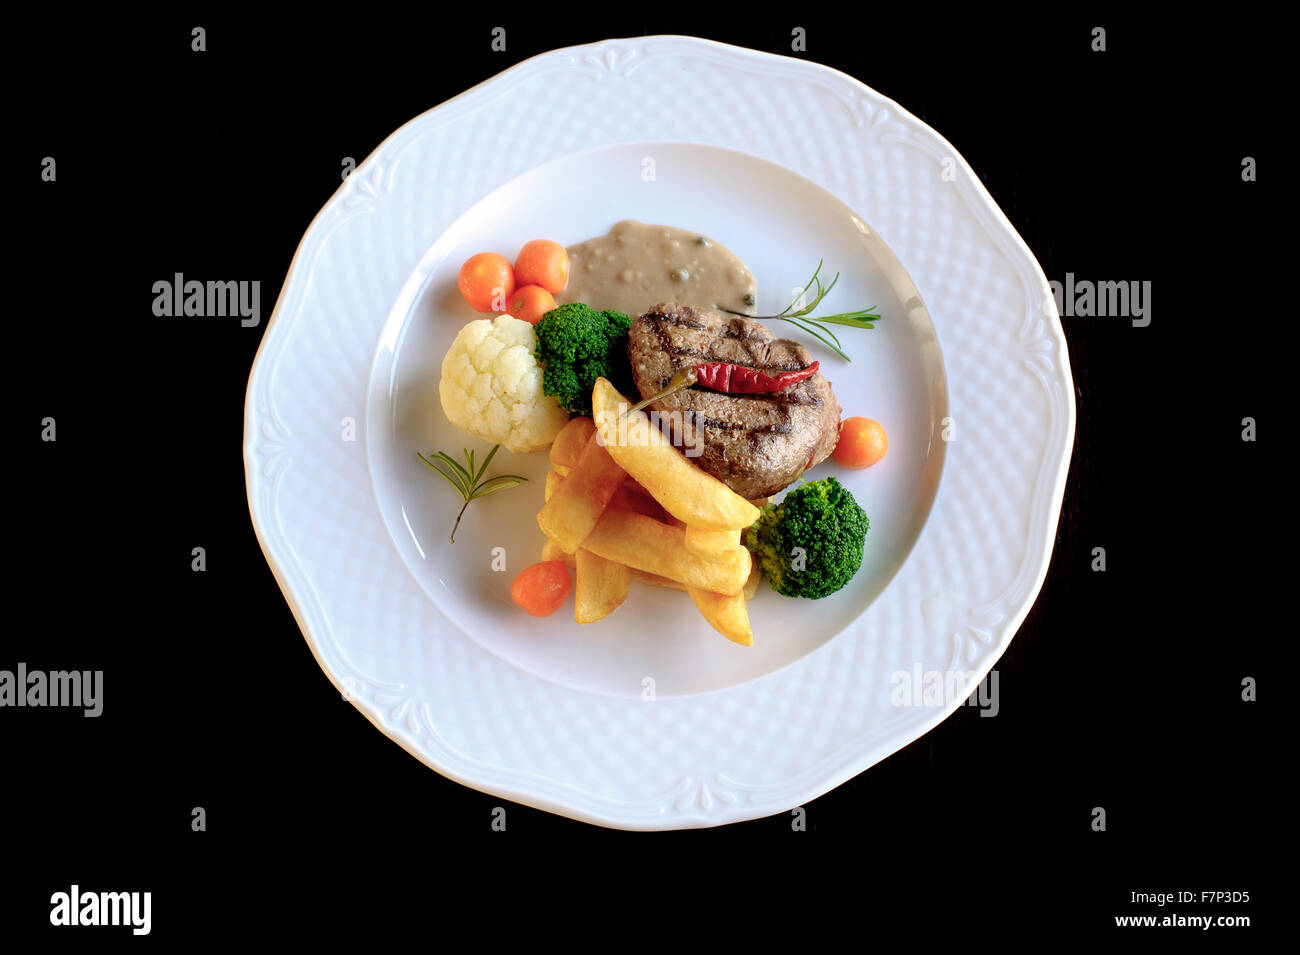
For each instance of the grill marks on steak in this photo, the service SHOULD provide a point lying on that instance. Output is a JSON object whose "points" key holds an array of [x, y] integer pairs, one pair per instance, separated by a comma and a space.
{"points": [[755, 444], [685, 332]]}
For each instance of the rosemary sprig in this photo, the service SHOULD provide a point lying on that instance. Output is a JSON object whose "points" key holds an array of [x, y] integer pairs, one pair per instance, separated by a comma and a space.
{"points": [[802, 318], [467, 481]]}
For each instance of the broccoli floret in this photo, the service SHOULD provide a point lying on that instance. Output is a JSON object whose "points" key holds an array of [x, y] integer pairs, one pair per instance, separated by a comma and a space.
{"points": [[810, 544], [576, 345]]}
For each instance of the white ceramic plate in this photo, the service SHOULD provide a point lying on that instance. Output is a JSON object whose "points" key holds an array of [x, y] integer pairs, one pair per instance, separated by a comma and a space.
{"points": [[421, 635]]}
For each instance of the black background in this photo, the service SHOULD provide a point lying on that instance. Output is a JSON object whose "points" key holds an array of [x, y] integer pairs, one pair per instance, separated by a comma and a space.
{"points": [[1122, 689]]}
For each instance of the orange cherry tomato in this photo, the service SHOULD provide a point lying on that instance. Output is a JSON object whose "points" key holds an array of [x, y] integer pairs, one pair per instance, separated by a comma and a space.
{"points": [[529, 303], [542, 588], [486, 281], [862, 443], [545, 263]]}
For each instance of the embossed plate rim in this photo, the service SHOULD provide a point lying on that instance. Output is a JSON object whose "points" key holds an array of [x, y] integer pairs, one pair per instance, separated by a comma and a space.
{"points": [[712, 798]]}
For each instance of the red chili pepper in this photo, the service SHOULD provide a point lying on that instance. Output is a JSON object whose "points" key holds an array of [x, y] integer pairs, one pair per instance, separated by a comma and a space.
{"points": [[730, 379], [739, 380]]}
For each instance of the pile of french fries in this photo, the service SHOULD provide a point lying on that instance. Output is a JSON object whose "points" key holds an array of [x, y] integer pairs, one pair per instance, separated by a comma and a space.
{"points": [[623, 504]]}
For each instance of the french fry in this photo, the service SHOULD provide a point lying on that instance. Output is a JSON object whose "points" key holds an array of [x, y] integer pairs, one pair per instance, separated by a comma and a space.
{"points": [[654, 580], [601, 587], [643, 451], [658, 548], [552, 551], [553, 479], [577, 504], [711, 545], [569, 443], [755, 578], [725, 614]]}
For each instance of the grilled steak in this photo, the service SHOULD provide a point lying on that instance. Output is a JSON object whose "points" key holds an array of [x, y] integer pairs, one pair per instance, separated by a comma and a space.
{"points": [[755, 444]]}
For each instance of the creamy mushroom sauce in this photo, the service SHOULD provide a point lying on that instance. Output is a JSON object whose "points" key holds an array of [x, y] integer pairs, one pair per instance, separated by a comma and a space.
{"points": [[636, 266]]}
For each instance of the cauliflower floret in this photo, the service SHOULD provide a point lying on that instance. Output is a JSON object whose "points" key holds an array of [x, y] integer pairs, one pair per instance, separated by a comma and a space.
{"points": [[491, 386]]}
